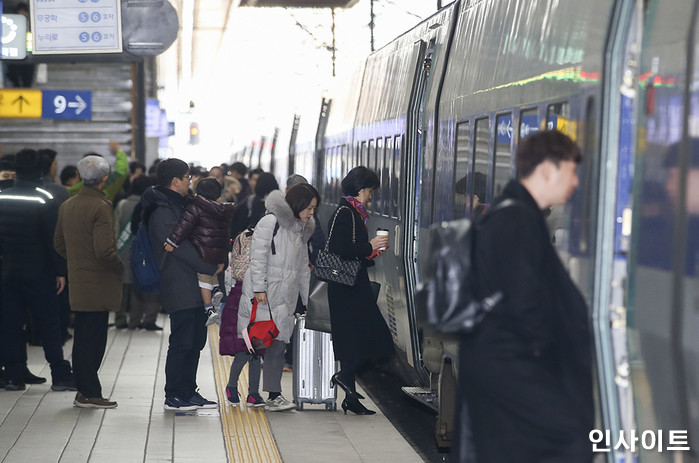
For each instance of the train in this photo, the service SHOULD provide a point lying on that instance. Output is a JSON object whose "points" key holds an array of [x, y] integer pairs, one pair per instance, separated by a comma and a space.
{"points": [[438, 112]]}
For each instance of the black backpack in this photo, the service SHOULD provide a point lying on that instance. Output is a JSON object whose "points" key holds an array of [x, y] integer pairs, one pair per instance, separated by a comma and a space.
{"points": [[447, 298]]}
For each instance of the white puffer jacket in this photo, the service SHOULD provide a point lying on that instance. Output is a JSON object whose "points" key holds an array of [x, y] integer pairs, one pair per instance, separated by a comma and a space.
{"points": [[284, 275]]}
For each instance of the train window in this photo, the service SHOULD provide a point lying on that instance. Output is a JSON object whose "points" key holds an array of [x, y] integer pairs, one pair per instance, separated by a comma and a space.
{"points": [[503, 153], [479, 197], [461, 169], [528, 122], [387, 180], [363, 155], [378, 194], [338, 174], [397, 154], [345, 160], [558, 116]]}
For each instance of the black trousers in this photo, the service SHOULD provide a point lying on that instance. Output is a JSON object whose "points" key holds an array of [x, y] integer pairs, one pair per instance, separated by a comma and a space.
{"points": [[187, 339], [38, 294], [89, 342]]}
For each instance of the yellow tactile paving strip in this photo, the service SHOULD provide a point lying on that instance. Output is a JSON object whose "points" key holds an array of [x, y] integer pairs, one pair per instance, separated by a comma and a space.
{"points": [[246, 430]]}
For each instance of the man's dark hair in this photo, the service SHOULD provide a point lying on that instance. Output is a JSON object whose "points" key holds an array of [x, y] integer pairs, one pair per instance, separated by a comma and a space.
{"points": [[239, 167], [27, 164], [257, 171], [46, 157], [209, 188], [265, 184], [141, 184], [357, 179], [7, 163], [197, 171], [299, 197], [546, 145], [67, 173], [169, 169], [134, 165]]}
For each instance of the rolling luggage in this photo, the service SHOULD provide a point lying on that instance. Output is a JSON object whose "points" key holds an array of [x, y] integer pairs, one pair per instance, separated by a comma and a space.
{"points": [[314, 365]]}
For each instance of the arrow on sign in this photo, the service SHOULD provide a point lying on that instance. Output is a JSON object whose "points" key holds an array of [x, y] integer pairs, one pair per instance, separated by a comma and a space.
{"points": [[21, 100], [79, 104]]}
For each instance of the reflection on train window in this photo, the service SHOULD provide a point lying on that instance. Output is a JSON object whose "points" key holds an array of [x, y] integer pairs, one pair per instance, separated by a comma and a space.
{"points": [[371, 164], [461, 170], [397, 155], [345, 161], [503, 153], [587, 144], [558, 116], [327, 184], [388, 178], [479, 196], [378, 193], [363, 155], [528, 122], [337, 174]]}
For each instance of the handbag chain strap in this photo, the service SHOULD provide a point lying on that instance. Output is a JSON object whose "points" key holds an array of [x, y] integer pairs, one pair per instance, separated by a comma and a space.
{"points": [[330, 233]]}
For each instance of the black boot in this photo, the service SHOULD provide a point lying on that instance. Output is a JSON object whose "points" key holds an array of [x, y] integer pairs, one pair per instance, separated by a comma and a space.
{"points": [[355, 406]]}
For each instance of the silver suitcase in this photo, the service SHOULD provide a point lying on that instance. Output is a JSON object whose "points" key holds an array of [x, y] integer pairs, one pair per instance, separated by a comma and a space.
{"points": [[314, 365]]}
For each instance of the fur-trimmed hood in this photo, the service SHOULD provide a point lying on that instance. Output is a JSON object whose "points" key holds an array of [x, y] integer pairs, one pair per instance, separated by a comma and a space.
{"points": [[276, 204]]}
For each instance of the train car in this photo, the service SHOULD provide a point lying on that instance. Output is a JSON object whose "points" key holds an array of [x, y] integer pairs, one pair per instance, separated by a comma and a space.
{"points": [[438, 113]]}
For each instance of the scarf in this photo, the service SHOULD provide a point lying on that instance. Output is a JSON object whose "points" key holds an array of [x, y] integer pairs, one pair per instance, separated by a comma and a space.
{"points": [[359, 207]]}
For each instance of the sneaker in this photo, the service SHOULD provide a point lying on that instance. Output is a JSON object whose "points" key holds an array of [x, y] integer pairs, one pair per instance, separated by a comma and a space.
{"points": [[232, 396], [255, 400], [279, 404], [67, 384], [92, 402], [217, 297], [212, 317], [201, 402], [30, 378], [13, 385], [177, 403]]}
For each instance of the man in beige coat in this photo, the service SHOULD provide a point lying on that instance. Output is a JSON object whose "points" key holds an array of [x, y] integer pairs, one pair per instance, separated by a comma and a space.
{"points": [[85, 237]]}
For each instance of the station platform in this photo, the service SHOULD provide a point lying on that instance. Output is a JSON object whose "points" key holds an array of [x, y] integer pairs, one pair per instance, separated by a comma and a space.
{"points": [[43, 426]]}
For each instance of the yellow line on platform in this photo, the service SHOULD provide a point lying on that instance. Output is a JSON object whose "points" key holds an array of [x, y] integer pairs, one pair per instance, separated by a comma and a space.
{"points": [[246, 430]]}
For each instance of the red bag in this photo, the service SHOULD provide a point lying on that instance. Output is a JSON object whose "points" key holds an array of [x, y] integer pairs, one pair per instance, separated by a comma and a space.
{"points": [[259, 335]]}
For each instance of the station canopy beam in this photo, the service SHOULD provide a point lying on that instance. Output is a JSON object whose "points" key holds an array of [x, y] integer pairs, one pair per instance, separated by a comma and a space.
{"points": [[300, 3]]}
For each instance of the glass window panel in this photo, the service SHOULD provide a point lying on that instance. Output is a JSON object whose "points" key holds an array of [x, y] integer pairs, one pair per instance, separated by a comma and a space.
{"points": [[363, 155], [389, 180], [480, 167], [503, 153], [378, 194], [461, 170], [558, 118], [397, 155]]}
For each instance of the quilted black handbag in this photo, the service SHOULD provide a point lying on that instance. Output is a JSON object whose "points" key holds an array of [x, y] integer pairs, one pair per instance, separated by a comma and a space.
{"points": [[331, 267]]}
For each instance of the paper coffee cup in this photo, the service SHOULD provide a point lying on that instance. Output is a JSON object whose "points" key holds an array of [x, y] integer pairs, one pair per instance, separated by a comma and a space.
{"points": [[382, 232]]}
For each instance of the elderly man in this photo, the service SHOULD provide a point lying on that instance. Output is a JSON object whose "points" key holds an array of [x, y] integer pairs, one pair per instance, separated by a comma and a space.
{"points": [[85, 236], [32, 276]]}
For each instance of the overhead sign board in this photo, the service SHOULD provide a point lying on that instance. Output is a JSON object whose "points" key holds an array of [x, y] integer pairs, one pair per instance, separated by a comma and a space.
{"points": [[67, 104], [21, 102], [14, 36], [76, 26]]}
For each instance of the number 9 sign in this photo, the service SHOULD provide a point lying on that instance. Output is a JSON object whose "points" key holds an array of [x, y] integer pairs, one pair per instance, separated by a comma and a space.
{"points": [[59, 102]]}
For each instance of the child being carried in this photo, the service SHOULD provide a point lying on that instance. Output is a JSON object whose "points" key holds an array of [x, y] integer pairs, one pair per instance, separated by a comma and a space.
{"points": [[205, 223]]}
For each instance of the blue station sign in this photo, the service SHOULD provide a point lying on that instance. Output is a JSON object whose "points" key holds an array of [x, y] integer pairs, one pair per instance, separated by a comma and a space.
{"points": [[66, 104]]}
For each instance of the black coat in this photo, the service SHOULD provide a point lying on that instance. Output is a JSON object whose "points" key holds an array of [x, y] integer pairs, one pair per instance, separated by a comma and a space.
{"points": [[28, 215], [205, 223], [358, 329], [526, 372]]}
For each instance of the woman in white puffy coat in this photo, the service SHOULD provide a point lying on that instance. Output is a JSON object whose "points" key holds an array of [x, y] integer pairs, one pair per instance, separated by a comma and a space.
{"points": [[278, 273]]}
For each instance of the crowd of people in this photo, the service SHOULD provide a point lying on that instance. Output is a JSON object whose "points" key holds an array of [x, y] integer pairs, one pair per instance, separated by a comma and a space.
{"points": [[85, 226], [525, 373]]}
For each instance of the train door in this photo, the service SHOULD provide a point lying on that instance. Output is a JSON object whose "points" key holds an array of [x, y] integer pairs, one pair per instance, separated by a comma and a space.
{"points": [[414, 163], [663, 302]]}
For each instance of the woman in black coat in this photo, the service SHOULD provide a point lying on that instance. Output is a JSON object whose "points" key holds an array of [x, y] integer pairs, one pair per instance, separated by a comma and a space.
{"points": [[359, 332]]}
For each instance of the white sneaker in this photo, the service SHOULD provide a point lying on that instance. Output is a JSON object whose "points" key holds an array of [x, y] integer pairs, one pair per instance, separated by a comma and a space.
{"points": [[217, 298], [212, 317], [279, 404]]}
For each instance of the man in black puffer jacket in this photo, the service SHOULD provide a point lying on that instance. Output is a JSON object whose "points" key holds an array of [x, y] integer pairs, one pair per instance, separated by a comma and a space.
{"points": [[179, 291], [33, 274]]}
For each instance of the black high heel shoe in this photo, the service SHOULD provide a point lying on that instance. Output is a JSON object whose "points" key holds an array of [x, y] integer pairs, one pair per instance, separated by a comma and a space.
{"points": [[356, 407], [336, 381]]}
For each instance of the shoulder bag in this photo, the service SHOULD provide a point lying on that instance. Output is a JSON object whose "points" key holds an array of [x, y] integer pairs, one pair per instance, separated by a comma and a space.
{"points": [[331, 267]]}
